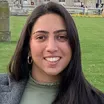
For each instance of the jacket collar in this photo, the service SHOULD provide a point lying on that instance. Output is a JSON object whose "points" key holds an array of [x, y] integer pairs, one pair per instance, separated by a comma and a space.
{"points": [[10, 90]]}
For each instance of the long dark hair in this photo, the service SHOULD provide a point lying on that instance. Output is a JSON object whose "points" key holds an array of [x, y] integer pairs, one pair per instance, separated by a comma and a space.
{"points": [[73, 88]]}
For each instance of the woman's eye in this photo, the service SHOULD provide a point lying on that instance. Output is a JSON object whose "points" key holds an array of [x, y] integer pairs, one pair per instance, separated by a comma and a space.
{"points": [[62, 38], [41, 38]]}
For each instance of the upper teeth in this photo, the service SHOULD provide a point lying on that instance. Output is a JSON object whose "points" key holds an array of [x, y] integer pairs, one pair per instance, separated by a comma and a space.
{"points": [[52, 59]]}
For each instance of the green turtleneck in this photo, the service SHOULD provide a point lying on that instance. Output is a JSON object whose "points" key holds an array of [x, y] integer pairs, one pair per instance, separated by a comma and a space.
{"points": [[39, 93]]}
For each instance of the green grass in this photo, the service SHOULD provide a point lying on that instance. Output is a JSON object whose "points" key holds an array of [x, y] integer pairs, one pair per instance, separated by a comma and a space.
{"points": [[7, 48], [91, 34]]}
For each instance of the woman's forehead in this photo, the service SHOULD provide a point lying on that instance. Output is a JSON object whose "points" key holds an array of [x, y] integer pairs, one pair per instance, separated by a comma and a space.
{"points": [[50, 22]]}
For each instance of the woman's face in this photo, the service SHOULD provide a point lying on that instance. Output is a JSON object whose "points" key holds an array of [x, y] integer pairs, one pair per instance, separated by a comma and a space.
{"points": [[49, 48]]}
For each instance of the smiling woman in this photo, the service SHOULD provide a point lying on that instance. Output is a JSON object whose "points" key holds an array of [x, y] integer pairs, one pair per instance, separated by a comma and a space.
{"points": [[46, 65]]}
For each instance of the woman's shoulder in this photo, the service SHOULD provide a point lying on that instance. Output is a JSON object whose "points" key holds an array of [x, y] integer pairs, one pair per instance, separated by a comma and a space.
{"points": [[8, 81], [4, 83], [3, 78], [10, 89], [2, 75]]}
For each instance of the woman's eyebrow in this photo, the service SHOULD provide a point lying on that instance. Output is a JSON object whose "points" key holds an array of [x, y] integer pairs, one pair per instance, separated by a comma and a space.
{"points": [[58, 31], [41, 31], [46, 32]]}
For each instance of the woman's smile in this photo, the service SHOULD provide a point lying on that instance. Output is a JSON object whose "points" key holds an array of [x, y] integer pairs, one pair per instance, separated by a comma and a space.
{"points": [[52, 59], [52, 62]]}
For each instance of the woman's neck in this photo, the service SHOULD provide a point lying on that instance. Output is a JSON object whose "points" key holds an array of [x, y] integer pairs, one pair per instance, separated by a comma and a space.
{"points": [[42, 77]]}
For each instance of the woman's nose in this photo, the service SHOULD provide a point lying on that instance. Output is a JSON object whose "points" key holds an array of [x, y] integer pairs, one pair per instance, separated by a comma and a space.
{"points": [[52, 45]]}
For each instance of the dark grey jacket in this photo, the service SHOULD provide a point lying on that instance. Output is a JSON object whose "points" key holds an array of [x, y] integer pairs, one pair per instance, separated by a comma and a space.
{"points": [[10, 90]]}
